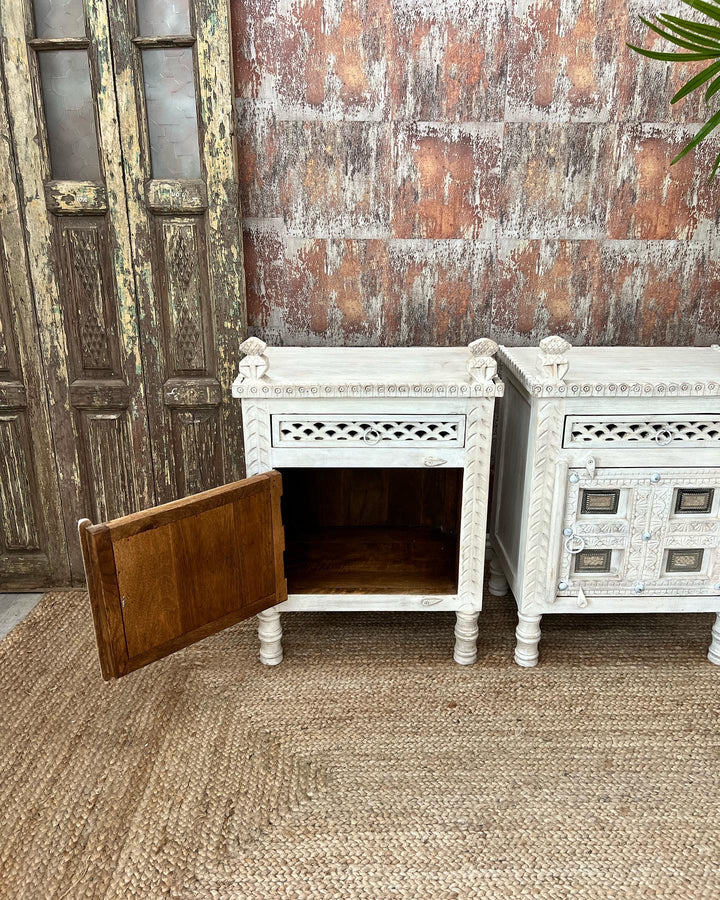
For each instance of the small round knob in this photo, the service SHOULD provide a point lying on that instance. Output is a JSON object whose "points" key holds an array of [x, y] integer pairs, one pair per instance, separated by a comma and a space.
{"points": [[655, 477], [567, 532], [639, 587], [574, 478], [717, 587], [563, 586], [646, 535]]}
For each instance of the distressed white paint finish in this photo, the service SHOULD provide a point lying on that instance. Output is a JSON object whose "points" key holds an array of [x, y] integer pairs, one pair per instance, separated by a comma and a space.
{"points": [[647, 415], [714, 651], [270, 634], [366, 387]]}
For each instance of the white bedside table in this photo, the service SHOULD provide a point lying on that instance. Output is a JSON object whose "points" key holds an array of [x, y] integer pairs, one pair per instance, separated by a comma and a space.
{"points": [[608, 483], [384, 455]]}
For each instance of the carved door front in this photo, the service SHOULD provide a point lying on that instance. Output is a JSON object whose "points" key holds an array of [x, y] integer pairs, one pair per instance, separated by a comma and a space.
{"points": [[121, 131], [635, 532]]}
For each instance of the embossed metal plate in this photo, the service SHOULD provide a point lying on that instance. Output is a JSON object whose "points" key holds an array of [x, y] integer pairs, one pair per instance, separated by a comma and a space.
{"points": [[591, 561], [694, 500], [600, 502], [684, 560]]}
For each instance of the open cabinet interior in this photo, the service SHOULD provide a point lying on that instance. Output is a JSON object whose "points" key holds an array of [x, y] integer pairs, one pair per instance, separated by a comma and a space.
{"points": [[373, 531]]}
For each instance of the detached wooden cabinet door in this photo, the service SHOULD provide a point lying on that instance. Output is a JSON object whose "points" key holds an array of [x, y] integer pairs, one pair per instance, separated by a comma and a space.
{"points": [[167, 577]]}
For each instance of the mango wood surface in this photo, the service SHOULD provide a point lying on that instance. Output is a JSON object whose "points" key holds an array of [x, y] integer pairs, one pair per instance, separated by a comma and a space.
{"points": [[167, 577]]}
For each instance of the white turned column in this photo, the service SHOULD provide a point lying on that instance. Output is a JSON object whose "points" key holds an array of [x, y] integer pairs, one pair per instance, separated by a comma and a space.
{"points": [[270, 634], [714, 651], [497, 585], [528, 638], [466, 633]]}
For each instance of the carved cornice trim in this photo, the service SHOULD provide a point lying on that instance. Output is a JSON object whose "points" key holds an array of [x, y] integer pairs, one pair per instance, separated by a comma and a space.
{"points": [[266, 390]]}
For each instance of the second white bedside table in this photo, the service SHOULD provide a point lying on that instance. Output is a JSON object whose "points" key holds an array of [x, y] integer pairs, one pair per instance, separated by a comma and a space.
{"points": [[608, 483]]}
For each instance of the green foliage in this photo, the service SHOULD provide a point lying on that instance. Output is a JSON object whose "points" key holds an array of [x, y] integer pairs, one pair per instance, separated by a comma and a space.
{"points": [[702, 43]]}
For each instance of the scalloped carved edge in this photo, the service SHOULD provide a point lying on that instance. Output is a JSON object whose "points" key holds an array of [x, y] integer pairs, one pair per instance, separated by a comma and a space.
{"points": [[245, 388], [538, 388]]}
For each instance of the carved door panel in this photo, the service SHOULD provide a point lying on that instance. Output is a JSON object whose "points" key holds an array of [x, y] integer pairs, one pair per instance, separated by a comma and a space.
{"points": [[641, 531], [175, 95], [167, 577], [63, 118], [32, 546]]}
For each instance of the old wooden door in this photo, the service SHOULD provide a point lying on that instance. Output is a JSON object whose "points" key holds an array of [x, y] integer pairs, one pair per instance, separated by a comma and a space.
{"points": [[175, 96], [32, 546], [166, 577], [122, 128]]}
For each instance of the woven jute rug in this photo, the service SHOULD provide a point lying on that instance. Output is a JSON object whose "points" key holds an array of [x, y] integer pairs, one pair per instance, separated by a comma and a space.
{"points": [[366, 765]]}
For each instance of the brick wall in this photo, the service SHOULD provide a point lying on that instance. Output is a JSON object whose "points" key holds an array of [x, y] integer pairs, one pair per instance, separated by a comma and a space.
{"points": [[429, 172]]}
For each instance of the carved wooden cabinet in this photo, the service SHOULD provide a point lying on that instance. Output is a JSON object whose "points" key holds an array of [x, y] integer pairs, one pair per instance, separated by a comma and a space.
{"points": [[367, 490], [608, 483]]}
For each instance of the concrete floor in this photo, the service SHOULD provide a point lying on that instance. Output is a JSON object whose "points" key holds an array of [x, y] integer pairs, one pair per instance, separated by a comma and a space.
{"points": [[13, 609]]}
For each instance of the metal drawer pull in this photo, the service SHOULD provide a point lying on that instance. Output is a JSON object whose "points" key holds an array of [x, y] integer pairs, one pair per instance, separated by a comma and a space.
{"points": [[372, 436], [575, 544], [434, 461], [664, 437]]}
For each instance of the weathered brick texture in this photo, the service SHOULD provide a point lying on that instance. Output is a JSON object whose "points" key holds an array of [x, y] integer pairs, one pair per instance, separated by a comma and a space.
{"points": [[427, 171]]}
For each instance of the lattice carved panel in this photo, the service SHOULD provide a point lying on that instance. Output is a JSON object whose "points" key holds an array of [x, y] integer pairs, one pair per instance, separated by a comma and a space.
{"points": [[603, 432], [446, 431], [184, 289], [86, 301]]}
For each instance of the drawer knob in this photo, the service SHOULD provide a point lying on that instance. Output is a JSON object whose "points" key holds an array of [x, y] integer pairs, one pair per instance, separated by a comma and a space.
{"points": [[434, 461], [646, 535], [574, 478], [639, 587], [567, 532], [655, 477], [563, 586], [372, 436]]}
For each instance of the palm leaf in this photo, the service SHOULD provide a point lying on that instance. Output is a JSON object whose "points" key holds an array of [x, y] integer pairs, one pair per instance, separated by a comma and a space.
{"points": [[712, 12], [673, 57], [696, 81], [689, 45], [702, 37], [712, 90], [714, 168], [711, 124]]}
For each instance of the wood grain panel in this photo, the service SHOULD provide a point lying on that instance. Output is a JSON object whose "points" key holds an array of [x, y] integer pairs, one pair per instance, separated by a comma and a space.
{"points": [[162, 579], [109, 456], [198, 459], [19, 531]]}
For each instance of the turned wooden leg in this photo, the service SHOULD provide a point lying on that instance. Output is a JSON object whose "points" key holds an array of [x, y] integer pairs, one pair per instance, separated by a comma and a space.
{"points": [[466, 632], [714, 651], [270, 634], [497, 585], [528, 638]]}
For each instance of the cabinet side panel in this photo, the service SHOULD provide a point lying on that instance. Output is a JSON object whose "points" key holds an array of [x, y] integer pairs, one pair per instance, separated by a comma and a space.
{"points": [[511, 479]]}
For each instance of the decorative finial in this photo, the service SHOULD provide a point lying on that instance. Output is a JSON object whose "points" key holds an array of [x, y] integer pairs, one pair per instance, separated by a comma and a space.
{"points": [[255, 364], [482, 365], [553, 363]]}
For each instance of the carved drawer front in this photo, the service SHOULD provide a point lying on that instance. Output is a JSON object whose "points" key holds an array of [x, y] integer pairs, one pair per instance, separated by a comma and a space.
{"points": [[331, 430], [635, 532], [641, 431]]}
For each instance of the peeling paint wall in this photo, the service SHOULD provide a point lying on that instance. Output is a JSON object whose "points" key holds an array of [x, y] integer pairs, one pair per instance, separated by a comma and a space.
{"points": [[428, 171]]}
